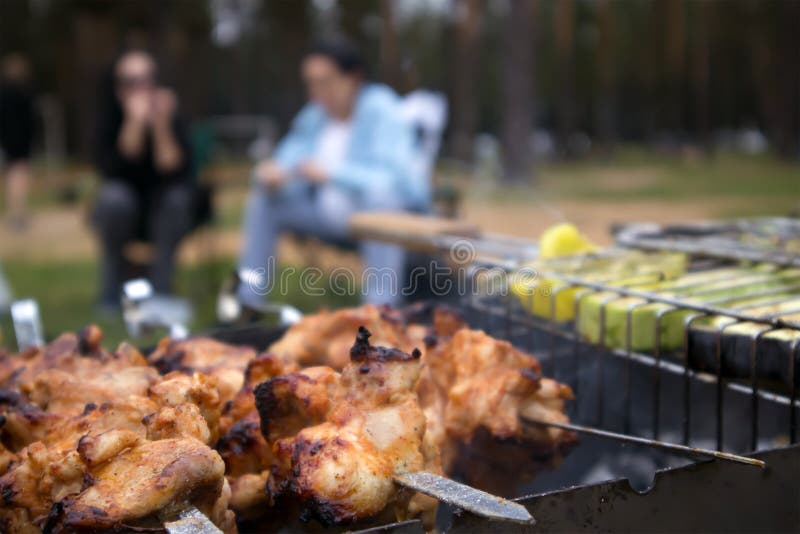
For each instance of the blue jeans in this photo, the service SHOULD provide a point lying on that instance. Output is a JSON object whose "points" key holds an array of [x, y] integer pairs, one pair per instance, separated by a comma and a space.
{"points": [[322, 212]]}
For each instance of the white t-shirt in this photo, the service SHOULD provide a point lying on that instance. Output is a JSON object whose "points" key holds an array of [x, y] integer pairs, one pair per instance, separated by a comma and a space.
{"points": [[332, 145]]}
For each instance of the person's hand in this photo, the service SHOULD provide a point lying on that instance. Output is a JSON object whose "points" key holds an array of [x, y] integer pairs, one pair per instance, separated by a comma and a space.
{"points": [[313, 172], [268, 173], [164, 105], [137, 107]]}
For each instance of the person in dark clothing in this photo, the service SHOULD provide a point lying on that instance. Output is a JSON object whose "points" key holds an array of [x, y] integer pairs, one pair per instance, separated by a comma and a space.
{"points": [[144, 157], [16, 135]]}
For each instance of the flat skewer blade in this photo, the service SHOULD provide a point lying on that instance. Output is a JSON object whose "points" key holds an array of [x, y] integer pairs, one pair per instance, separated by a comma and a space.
{"points": [[466, 497], [191, 521]]}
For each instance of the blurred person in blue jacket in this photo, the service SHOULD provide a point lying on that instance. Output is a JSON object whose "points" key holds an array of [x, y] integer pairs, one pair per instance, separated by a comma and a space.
{"points": [[348, 151]]}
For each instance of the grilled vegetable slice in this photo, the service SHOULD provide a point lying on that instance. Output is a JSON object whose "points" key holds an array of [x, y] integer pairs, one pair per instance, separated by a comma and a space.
{"points": [[718, 288]]}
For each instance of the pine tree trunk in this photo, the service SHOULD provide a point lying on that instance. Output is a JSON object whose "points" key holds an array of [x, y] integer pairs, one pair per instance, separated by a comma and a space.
{"points": [[674, 60], [465, 76], [605, 75], [290, 38], [701, 65], [518, 92], [564, 28], [390, 53]]}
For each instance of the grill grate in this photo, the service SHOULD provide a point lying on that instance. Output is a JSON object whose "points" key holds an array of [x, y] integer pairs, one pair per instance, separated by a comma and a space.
{"points": [[653, 395], [548, 337], [771, 239], [662, 394], [625, 377]]}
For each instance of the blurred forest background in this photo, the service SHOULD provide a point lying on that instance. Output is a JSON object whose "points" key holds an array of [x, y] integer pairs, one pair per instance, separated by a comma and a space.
{"points": [[594, 111], [556, 79]]}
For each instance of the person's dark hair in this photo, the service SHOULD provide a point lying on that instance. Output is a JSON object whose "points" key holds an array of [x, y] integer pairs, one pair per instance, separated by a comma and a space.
{"points": [[108, 113], [343, 53], [108, 84]]}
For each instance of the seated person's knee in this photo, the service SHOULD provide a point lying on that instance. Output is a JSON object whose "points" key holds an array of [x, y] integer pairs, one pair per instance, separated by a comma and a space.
{"points": [[381, 197], [116, 200], [178, 200]]}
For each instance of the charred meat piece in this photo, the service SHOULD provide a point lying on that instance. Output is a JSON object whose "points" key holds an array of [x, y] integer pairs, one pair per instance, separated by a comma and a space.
{"points": [[233, 424], [325, 337], [197, 390], [70, 352], [247, 454], [296, 400], [101, 441], [224, 362], [301, 398], [340, 467], [115, 465], [148, 480], [57, 381], [473, 384]]}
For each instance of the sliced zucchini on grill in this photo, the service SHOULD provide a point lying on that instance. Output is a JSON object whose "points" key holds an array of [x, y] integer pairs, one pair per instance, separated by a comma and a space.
{"points": [[633, 269], [773, 348], [713, 288]]}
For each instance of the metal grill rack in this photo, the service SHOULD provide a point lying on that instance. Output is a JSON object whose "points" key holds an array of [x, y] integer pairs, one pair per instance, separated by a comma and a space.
{"points": [[608, 485], [547, 337], [659, 394], [772, 239]]}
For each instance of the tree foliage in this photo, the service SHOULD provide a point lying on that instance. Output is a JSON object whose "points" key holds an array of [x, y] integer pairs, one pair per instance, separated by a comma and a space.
{"points": [[670, 71]]}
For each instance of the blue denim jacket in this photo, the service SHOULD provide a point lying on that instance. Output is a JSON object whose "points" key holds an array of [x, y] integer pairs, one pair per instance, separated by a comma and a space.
{"points": [[380, 150]]}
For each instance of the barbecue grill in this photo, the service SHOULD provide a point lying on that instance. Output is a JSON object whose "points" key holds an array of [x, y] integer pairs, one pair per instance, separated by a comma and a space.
{"points": [[611, 484], [773, 239], [632, 471]]}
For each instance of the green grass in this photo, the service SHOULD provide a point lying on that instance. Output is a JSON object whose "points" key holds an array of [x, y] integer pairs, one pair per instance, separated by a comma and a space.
{"points": [[770, 185], [722, 175], [66, 293], [634, 174], [763, 184]]}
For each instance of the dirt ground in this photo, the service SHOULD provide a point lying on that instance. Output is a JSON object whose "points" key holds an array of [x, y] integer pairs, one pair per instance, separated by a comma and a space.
{"points": [[63, 234]]}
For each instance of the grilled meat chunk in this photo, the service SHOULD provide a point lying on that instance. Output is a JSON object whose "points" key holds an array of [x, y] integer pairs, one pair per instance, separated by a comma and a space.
{"points": [[325, 337], [73, 353], [346, 437], [475, 385], [42, 387], [224, 362], [98, 440], [148, 480], [248, 457], [109, 467], [102, 441]]}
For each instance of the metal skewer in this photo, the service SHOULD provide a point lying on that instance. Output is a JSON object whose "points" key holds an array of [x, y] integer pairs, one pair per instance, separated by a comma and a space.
{"points": [[649, 442], [191, 521], [476, 501], [27, 324]]}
